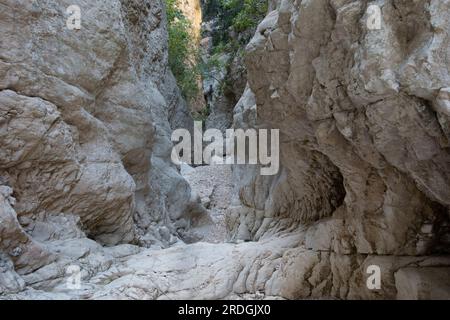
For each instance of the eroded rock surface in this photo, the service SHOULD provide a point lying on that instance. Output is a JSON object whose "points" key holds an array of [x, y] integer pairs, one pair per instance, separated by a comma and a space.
{"points": [[85, 119], [213, 185], [364, 137], [84, 125]]}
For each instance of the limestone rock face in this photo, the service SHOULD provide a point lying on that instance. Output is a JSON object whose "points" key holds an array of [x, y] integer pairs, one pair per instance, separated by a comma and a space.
{"points": [[364, 133], [16, 245], [192, 9], [364, 183], [10, 282], [84, 125], [415, 283]]}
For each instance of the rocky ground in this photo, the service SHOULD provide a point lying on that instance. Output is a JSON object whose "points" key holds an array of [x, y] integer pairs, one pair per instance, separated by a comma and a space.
{"points": [[275, 267], [213, 185], [209, 269]]}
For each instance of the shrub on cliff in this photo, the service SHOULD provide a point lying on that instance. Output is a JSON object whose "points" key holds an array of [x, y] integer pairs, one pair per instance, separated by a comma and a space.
{"points": [[249, 14], [238, 16]]}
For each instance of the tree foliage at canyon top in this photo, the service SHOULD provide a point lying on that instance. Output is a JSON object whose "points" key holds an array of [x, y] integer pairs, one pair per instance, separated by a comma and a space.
{"points": [[183, 51], [232, 16], [238, 16]]}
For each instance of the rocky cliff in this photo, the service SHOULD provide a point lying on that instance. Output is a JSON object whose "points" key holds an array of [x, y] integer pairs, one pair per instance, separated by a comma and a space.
{"points": [[90, 201], [364, 116], [84, 128], [192, 9]]}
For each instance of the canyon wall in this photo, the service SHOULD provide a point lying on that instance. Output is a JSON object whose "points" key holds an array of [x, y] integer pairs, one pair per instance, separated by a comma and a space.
{"points": [[192, 9], [364, 120], [84, 128], [87, 184]]}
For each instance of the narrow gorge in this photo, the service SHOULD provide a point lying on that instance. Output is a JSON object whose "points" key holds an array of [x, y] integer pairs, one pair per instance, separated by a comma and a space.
{"points": [[92, 205]]}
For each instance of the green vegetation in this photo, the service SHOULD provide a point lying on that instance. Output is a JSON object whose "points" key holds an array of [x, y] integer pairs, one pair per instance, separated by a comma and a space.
{"points": [[235, 24], [240, 16], [184, 55], [250, 14]]}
